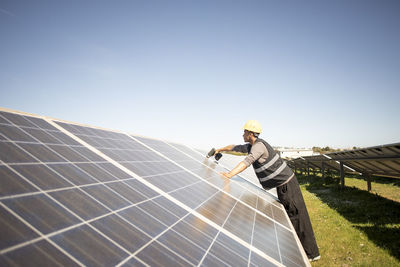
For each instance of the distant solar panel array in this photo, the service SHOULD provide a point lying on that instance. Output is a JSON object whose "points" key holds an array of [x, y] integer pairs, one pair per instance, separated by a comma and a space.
{"points": [[79, 195], [378, 160]]}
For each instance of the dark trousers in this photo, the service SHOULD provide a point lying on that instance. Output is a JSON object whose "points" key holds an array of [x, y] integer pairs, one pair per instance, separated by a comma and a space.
{"points": [[292, 199]]}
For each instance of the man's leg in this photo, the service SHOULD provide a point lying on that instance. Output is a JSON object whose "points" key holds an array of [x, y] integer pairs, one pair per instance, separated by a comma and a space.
{"points": [[292, 199]]}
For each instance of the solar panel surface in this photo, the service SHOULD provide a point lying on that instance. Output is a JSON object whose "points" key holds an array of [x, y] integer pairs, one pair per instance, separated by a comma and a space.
{"points": [[79, 195]]}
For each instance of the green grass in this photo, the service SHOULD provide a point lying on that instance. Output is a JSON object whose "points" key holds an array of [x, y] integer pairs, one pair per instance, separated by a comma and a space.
{"points": [[354, 227]]}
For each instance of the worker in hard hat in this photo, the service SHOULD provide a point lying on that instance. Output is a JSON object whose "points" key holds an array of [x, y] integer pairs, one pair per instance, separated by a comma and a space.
{"points": [[273, 172]]}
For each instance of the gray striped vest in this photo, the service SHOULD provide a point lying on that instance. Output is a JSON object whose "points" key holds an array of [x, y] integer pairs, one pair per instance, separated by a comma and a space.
{"points": [[274, 171]]}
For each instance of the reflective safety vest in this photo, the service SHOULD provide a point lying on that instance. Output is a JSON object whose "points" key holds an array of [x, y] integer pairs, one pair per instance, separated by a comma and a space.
{"points": [[274, 171]]}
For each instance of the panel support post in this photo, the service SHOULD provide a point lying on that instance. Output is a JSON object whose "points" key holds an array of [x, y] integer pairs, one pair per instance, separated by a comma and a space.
{"points": [[323, 172], [341, 174], [368, 178], [308, 169]]}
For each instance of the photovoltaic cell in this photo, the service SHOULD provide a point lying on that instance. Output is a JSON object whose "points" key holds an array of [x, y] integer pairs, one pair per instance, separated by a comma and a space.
{"points": [[13, 231], [42, 213], [107, 198], [12, 183], [41, 253], [90, 247]]}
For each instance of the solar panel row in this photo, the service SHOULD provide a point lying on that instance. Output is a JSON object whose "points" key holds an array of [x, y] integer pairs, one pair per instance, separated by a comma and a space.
{"points": [[378, 160], [78, 195]]}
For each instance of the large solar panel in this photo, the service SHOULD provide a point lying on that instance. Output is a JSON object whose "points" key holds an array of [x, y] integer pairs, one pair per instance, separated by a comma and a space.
{"points": [[79, 195]]}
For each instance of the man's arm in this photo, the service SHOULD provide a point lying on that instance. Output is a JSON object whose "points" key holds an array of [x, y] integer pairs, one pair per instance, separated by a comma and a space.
{"points": [[238, 169], [241, 166], [227, 148]]}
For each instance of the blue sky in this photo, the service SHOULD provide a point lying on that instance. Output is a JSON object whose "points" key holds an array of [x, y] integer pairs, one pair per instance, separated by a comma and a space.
{"points": [[314, 73]]}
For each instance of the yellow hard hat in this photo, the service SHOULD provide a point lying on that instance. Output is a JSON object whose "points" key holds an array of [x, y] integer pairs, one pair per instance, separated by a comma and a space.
{"points": [[253, 126]]}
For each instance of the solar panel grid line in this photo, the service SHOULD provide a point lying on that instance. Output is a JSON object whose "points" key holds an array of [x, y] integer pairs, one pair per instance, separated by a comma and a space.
{"points": [[252, 233], [161, 174], [277, 238], [226, 219], [237, 199], [155, 240], [40, 234], [160, 191], [75, 186], [73, 213], [45, 145], [170, 227], [84, 222], [37, 127], [60, 189], [88, 174]]}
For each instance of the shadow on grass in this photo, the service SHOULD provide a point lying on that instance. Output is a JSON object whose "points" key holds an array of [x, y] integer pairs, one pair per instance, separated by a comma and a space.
{"points": [[384, 237], [378, 179], [360, 207]]}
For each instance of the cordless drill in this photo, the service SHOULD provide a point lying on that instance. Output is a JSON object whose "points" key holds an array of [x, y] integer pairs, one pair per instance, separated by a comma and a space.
{"points": [[212, 152]]}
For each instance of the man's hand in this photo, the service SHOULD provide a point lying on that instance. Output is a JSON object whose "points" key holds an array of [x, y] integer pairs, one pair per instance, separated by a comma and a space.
{"points": [[225, 175], [238, 169]]}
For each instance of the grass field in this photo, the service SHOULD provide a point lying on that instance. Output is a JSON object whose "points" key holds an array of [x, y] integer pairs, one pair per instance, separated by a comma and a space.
{"points": [[354, 227]]}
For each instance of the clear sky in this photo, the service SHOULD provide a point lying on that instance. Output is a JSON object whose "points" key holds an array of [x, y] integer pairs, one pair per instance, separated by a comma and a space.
{"points": [[314, 73]]}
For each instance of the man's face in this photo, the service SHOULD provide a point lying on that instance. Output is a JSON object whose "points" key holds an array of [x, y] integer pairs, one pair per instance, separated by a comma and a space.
{"points": [[246, 136]]}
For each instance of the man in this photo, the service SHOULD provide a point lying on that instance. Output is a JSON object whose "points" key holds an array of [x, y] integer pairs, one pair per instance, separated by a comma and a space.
{"points": [[273, 172]]}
